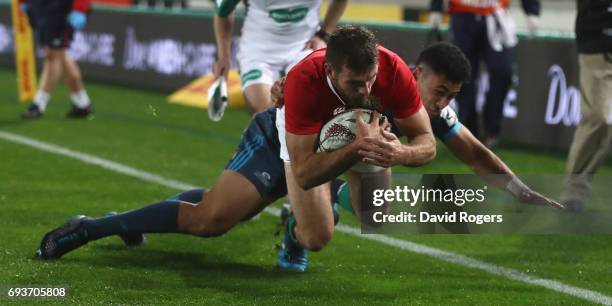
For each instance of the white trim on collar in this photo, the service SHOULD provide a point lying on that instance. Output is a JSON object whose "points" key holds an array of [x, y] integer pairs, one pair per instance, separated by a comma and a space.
{"points": [[331, 86]]}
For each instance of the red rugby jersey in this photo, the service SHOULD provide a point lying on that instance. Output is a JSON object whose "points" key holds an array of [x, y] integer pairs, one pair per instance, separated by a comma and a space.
{"points": [[310, 102]]}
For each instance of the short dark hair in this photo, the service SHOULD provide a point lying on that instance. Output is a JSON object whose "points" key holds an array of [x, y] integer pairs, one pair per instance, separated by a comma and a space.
{"points": [[353, 46], [448, 60]]}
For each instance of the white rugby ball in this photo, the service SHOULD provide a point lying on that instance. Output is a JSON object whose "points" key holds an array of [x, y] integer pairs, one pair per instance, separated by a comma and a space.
{"points": [[340, 131]]}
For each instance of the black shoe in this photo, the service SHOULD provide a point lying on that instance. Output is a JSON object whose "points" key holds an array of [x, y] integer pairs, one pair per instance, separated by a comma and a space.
{"points": [[77, 112], [130, 240], [63, 239], [33, 112]]}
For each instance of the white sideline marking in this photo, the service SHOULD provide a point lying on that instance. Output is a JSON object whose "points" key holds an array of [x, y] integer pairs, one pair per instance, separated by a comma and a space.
{"points": [[447, 256]]}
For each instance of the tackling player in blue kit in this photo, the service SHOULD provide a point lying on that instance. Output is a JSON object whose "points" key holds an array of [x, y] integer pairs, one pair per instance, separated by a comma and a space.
{"points": [[255, 177]]}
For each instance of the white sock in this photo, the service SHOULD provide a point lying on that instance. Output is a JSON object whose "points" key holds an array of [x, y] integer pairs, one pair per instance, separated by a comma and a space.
{"points": [[80, 99], [41, 99]]}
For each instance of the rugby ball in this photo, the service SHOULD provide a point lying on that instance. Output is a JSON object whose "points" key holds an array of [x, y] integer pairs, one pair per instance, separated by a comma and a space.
{"points": [[340, 131]]}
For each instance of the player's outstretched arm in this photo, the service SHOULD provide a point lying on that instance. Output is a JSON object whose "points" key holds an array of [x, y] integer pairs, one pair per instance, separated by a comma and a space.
{"points": [[490, 167]]}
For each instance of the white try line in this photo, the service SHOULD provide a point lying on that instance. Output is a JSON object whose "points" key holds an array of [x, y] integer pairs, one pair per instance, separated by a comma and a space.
{"points": [[458, 259]]}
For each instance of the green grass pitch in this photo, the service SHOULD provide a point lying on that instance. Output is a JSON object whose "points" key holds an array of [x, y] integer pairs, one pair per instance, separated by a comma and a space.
{"points": [[38, 191]]}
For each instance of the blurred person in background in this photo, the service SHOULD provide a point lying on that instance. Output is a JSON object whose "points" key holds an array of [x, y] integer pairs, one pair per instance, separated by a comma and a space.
{"points": [[484, 30], [275, 35], [54, 22], [591, 144]]}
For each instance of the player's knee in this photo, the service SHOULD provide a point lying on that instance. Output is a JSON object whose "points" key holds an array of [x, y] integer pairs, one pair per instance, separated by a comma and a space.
{"points": [[212, 224], [49, 56], [53, 54], [317, 240], [210, 230], [219, 223]]}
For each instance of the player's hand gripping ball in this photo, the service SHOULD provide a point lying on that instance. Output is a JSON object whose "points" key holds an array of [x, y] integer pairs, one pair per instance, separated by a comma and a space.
{"points": [[340, 131]]}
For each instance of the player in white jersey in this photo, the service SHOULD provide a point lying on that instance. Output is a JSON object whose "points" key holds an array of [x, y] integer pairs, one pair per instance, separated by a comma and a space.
{"points": [[275, 35]]}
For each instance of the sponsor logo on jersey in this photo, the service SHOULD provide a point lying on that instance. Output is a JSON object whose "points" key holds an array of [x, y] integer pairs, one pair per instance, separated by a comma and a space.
{"points": [[293, 15]]}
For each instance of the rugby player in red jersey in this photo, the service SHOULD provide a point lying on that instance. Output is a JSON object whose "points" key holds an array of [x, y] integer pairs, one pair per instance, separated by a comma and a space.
{"points": [[353, 72]]}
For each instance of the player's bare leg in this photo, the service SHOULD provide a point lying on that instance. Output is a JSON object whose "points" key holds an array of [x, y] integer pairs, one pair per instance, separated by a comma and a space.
{"points": [[52, 69], [232, 199], [80, 100], [72, 74], [49, 76], [312, 208], [310, 226], [257, 97]]}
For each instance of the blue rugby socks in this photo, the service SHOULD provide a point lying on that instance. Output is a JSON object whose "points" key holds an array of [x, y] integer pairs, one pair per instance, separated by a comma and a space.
{"points": [[191, 196], [161, 217]]}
